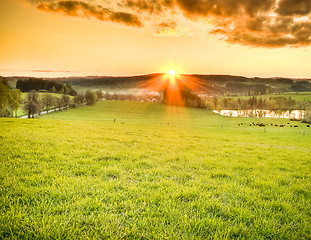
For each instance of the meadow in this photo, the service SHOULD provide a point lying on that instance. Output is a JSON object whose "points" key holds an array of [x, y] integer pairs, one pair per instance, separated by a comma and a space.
{"points": [[158, 172]]}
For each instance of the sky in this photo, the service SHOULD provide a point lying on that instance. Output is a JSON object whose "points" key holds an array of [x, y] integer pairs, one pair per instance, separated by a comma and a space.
{"points": [[254, 38]]}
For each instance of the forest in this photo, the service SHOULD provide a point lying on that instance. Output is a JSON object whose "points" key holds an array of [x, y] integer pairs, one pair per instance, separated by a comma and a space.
{"points": [[26, 85]]}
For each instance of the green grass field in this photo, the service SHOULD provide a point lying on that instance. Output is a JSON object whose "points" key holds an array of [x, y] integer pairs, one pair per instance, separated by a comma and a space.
{"points": [[157, 173]]}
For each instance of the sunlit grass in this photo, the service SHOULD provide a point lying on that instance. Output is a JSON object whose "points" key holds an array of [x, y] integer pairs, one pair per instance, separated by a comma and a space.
{"points": [[201, 176]]}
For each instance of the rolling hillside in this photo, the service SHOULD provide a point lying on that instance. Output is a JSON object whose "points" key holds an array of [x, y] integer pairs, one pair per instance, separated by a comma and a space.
{"points": [[203, 84]]}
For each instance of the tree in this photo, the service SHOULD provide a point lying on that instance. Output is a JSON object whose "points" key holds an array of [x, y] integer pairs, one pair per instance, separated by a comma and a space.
{"points": [[66, 101], [291, 103], [78, 100], [100, 95], [59, 103], [61, 91], [4, 97], [15, 100], [66, 90], [53, 90], [10, 100], [215, 101], [225, 102], [90, 97], [32, 104], [48, 102], [260, 104]]}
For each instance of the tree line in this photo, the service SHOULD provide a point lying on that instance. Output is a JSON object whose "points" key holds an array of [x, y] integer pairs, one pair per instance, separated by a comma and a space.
{"points": [[35, 104], [38, 84], [272, 103], [10, 99], [182, 97]]}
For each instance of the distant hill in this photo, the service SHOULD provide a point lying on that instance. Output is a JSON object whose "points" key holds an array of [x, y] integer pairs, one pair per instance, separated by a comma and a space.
{"points": [[203, 84]]}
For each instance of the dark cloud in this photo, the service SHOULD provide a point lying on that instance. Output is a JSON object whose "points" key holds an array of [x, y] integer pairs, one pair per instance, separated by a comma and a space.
{"points": [[264, 32], [152, 6], [260, 23], [82, 9], [144, 5], [127, 18], [294, 7], [202, 7]]}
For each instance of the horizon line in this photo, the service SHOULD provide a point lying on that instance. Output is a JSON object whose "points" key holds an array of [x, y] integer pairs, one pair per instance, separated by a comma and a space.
{"points": [[89, 74]]}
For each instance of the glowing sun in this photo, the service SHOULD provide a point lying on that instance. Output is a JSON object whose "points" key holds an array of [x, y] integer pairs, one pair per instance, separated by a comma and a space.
{"points": [[171, 72]]}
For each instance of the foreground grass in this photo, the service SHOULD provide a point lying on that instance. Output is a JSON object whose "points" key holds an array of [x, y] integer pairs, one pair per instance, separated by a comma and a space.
{"points": [[158, 172]]}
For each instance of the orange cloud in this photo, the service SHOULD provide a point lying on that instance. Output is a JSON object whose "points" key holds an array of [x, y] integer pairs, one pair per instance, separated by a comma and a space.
{"points": [[82, 9], [167, 28], [259, 23], [152, 6]]}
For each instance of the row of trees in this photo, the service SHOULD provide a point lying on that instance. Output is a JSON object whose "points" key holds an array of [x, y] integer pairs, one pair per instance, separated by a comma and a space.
{"points": [[182, 97], [10, 99], [38, 84], [273, 103], [35, 104], [191, 99]]}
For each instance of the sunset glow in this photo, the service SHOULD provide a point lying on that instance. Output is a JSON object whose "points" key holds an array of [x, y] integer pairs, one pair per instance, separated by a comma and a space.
{"points": [[122, 38]]}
